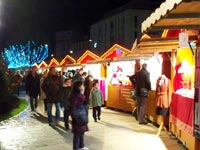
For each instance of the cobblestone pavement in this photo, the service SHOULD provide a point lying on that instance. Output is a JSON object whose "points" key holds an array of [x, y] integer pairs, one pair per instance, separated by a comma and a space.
{"points": [[116, 131]]}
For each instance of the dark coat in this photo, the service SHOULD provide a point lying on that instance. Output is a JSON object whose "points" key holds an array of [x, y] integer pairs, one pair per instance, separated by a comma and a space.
{"points": [[88, 87], [77, 77], [52, 86], [75, 100], [64, 97], [142, 79], [33, 85]]}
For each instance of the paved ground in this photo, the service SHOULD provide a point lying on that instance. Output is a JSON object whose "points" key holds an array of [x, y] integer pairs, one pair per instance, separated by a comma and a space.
{"points": [[116, 131]]}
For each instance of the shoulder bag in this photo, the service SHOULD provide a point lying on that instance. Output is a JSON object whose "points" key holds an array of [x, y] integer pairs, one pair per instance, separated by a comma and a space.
{"points": [[80, 115]]}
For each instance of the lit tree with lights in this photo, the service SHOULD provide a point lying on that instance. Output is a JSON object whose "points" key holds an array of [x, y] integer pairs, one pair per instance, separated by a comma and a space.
{"points": [[9, 83], [18, 56]]}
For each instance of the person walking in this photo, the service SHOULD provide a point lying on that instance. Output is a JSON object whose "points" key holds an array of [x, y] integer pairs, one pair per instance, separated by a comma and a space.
{"points": [[77, 98], [33, 88], [96, 101], [65, 102], [78, 75], [19, 79], [142, 79], [42, 93], [88, 86], [51, 86]]}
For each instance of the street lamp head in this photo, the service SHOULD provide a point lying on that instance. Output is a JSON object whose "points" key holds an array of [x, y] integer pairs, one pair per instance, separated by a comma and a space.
{"points": [[71, 51]]}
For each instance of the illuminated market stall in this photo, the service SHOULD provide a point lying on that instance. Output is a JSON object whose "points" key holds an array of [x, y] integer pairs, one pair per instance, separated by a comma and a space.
{"points": [[68, 64], [93, 69], [91, 64], [184, 109], [117, 70], [54, 63], [159, 51], [168, 58], [42, 66], [67, 60]]}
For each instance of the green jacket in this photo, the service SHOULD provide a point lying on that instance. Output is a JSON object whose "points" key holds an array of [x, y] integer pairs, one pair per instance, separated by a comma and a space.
{"points": [[96, 98]]}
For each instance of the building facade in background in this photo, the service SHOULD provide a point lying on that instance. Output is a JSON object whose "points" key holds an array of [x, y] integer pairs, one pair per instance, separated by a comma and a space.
{"points": [[122, 28], [121, 25], [68, 42]]}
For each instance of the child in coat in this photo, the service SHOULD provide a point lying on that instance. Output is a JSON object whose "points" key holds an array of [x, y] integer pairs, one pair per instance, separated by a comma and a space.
{"points": [[96, 100]]}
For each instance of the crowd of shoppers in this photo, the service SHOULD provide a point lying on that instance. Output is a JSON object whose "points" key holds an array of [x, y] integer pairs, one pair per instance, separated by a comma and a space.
{"points": [[67, 94]]}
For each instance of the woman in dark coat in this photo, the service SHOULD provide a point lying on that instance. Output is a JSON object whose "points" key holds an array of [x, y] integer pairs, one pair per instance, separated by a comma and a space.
{"points": [[78, 98]]}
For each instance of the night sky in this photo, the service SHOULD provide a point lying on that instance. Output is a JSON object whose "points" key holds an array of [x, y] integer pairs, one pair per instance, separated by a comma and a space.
{"points": [[23, 20]]}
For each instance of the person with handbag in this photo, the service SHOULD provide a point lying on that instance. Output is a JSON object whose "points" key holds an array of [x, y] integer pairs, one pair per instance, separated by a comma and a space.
{"points": [[142, 78], [79, 127]]}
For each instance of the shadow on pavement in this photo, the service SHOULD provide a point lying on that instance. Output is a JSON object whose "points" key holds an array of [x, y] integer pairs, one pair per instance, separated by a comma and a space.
{"points": [[40, 117], [110, 125]]}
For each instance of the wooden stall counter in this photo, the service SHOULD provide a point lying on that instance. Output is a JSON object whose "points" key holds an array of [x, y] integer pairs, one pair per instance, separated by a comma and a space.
{"points": [[151, 106], [181, 120], [119, 97]]}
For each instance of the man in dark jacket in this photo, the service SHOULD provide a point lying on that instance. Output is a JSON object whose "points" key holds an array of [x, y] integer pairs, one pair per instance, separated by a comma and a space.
{"points": [[33, 87], [65, 102], [52, 86], [78, 75], [142, 79]]}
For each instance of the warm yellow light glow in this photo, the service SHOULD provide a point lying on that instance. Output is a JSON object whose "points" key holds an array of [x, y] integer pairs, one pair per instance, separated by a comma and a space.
{"points": [[164, 34], [113, 48], [86, 54], [43, 63], [67, 57], [53, 60], [187, 60], [145, 36], [185, 68]]}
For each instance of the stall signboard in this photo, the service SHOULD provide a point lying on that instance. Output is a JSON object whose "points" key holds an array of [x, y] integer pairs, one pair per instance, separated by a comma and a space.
{"points": [[197, 96], [183, 40]]}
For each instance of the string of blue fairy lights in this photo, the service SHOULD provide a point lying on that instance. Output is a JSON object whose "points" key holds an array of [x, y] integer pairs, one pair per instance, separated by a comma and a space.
{"points": [[19, 56]]}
